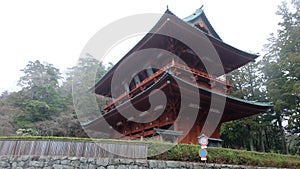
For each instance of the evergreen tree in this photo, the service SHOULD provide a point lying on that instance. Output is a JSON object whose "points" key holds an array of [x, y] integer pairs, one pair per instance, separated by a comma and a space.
{"points": [[40, 96], [247, 133], [282, 70], [82, 78]]}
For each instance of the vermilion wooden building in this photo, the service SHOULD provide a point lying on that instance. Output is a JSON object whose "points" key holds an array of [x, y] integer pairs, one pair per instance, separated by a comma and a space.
{"points": [[181, 74]]}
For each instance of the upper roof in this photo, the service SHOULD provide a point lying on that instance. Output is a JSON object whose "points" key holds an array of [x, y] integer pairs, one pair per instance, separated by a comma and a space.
{"points": [[230, 57], [199, 16]]}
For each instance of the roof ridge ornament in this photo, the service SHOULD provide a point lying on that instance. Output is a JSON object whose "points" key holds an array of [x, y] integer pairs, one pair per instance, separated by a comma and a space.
{"points": [[199, 10]]}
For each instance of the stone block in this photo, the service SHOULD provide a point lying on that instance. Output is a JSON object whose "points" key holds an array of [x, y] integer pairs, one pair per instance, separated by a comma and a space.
{"points": [[111, 167], [92, 166], [65, 162], [122, 167], [102, 162], [83, 159], [58, 166], [152, 163], [14, 164], [126, 161], [73, 158], [91, 160], [198, 166], [48, 167], [19, 168], [133, 166], [4, 164], [21, 164], [161, 164], [36, 164], [172, 164], [24, 158]]}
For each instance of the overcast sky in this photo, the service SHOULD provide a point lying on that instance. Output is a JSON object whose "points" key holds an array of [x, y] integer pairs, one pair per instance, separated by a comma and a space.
{"points": [[56, 31]]}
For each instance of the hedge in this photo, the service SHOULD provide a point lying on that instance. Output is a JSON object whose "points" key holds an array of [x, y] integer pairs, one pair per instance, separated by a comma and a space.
{"points": [[183, 152]]}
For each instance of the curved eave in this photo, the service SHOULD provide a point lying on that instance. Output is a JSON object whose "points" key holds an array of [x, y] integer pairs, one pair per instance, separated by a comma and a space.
{"points": [[231, 98], [261, 106], [254, 103], [194, 16], [232, 53], [106, 79], [85, 124], [147, 37]]}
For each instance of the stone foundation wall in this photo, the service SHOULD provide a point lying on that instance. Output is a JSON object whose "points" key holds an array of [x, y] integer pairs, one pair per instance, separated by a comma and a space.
{"points": [[33, 162]]}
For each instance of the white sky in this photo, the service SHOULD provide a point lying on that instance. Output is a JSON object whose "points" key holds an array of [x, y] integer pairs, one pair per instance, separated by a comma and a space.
{"points": [[56, 31]]}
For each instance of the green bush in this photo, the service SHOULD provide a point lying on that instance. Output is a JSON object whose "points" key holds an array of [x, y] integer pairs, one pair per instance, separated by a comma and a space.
{"points": [[218, 155]]}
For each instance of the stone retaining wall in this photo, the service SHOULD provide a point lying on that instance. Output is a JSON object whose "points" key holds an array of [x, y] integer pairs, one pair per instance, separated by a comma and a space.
{"points": [[33, 162]]}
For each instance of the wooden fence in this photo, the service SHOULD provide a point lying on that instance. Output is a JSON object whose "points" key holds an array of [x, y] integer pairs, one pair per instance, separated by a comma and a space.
{"points": [[73, 148]]}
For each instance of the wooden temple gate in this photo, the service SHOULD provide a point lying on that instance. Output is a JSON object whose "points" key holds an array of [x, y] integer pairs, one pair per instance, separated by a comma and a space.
{"points": [[180, 75]]}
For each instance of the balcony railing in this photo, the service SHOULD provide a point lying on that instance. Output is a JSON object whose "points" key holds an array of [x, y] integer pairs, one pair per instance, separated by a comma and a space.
{"points": [[213, 81]]}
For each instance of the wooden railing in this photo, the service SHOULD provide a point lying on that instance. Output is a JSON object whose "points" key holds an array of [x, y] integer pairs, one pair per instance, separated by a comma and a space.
{"points": [[148, 81], [125, 95], [201, 74]]}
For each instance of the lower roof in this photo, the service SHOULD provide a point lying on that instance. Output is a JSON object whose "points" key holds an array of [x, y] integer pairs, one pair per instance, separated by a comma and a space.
{"points": [[235, 108]]}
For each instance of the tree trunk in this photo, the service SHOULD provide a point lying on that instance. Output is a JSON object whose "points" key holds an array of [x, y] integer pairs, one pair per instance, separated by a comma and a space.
{"points": [[250, 138], [262, 144], [251, 143], [244, 144], [283, 141]]}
